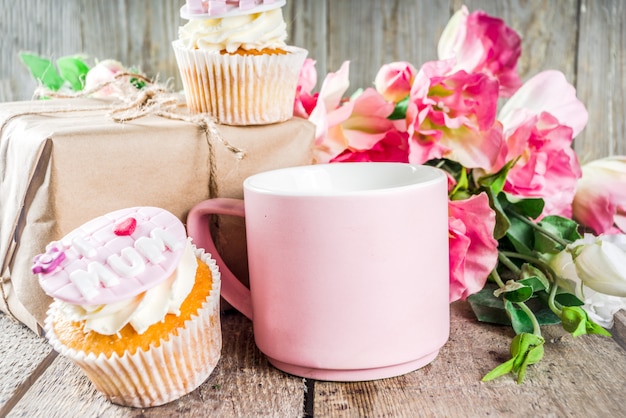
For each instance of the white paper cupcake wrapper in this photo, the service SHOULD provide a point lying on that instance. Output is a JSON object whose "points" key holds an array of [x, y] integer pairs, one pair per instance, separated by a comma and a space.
{"points": [[240, 89], [162, 374]]}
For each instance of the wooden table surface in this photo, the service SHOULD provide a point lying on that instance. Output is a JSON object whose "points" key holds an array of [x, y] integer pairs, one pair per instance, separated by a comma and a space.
{"points": [[578, 377]]}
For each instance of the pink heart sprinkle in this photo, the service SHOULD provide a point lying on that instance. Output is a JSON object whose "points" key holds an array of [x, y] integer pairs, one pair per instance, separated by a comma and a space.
{"points": [[126, 227]]}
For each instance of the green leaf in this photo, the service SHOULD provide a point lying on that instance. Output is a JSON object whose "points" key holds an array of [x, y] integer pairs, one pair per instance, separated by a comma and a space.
{"points": [[531, 272], [593, 328], [42, 70], [460, 190], [496, 181], [532, 208], [519, 320], [500, 370], [567, 228], [138, 83], [534, 282], [502, 221], [73, 69], [399, 112], [529, 207], [514, 291], [567, 299], [487, 307], [520, 295], [521, 236], [490, 309], [545, 316]]}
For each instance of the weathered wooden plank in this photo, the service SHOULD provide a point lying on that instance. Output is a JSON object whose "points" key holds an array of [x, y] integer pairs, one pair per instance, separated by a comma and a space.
{"points": [[243, 384], [582, 377], [23, 357], [619, 328], [137, 34], [548, 30], [308, 28], [587, 44], [370, 34], [602, 78]]}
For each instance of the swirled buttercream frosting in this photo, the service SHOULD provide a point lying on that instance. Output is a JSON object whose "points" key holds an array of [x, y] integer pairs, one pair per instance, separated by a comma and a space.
{"points": [[265, 30]]}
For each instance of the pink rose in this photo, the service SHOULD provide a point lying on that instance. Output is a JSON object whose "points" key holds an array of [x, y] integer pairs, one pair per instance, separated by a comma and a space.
{"points": [[393, 81], [305, 100], [453, 116], [540, 122], [101, 73], [473, 250], [548, 91], [600, 200], [393, 147], [355, 125], [482, 43], [547, 167]]}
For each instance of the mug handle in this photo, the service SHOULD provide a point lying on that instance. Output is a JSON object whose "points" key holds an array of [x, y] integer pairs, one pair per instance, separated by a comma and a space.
{"points": [[233, 291]]}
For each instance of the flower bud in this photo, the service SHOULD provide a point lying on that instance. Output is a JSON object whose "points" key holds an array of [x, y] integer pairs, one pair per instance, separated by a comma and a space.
{"points": [[600, 200], [601, 263], [394, 80], [574, 319], [102, 73], [600, 308]]}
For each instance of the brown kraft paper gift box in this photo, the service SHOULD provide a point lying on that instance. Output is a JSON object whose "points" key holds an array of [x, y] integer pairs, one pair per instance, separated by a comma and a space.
{"points": [[64, 162]]}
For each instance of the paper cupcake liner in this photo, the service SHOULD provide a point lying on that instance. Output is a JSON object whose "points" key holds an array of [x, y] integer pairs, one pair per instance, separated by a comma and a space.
{"points": [[160, 374], [240, 89]]}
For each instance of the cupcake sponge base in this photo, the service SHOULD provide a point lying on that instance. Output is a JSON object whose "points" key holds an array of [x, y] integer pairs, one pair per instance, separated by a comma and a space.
{"points": [[162, 373], [240, 89]]}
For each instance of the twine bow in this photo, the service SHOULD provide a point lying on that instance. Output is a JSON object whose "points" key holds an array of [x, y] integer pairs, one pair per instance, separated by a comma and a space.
{"points": [[152, 99]]}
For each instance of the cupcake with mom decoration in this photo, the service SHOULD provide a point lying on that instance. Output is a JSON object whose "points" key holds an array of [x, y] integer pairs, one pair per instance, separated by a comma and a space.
{"points": [[136, 305], [235, 63]]}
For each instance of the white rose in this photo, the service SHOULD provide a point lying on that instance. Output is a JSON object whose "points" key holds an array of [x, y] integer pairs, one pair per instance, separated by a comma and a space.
{"points": [[601, 262], [600, 307]]}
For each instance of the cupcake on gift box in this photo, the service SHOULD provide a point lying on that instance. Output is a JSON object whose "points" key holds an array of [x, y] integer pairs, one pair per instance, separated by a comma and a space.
{"points": [[136, 305], [234, 61]]}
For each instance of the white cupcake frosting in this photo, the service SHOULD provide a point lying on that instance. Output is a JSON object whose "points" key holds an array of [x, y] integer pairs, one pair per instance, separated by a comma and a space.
{"points": [[143, 310], [251, 31]]}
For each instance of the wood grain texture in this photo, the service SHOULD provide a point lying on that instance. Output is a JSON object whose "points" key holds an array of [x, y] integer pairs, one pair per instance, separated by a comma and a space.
{"points": [[548, 30], [23, 357], [619, 328], [584, 39], [579, 377], [242, 385], [135, 33], [602, 78]]}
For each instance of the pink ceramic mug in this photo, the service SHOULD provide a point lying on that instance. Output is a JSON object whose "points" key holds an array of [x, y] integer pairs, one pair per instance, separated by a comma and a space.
{"points": [[348, 267]]}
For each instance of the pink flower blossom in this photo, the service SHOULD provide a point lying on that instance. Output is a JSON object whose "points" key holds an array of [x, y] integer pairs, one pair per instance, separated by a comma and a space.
{"points": [[393, 81], [540, 122], [485, 44], [101, 73], [547, 91], [600, 200], [305, 100], [357, 125], [473, 250], [547, 167], [452, 115], [354, 125], [393, 147]]}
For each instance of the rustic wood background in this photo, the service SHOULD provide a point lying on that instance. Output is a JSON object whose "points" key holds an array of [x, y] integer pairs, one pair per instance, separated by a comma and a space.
{"points": [[585, 39]]}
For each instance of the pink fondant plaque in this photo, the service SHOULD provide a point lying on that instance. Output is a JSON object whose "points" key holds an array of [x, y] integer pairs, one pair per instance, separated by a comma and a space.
{"points": [[113, 257]]}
